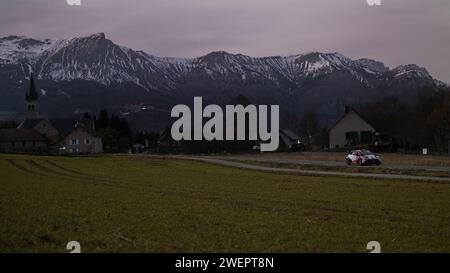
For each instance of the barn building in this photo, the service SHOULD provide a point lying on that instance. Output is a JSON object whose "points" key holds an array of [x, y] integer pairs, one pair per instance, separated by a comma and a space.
{"points": [[290, 142]]}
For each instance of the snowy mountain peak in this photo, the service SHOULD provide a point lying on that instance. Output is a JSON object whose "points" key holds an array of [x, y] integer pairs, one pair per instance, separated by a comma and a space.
{"points": [[216, 57], [372, 66], [100, 36], [317, 64], [15, 48], [411, 71]]}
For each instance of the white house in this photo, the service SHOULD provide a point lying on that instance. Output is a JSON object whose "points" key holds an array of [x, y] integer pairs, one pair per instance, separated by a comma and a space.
{"points": [[351, 130]]}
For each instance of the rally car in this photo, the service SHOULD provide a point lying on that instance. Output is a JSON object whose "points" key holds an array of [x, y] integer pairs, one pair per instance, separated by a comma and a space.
{"points": [[363, 158]]}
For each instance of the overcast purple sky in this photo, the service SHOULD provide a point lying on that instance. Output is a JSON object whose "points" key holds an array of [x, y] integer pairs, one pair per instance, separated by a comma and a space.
{"points": [[399, 32]]}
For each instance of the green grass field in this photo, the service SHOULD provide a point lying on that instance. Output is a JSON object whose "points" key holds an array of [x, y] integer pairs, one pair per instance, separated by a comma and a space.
{"points": [[130, 204]]}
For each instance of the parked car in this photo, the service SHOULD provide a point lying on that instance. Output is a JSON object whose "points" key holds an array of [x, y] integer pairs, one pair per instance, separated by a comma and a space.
{"points": [[362, 158]]}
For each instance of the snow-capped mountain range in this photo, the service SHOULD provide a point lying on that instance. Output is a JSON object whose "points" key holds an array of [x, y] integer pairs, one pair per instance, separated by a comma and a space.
{"points": [[320, 81], [96, 58]]}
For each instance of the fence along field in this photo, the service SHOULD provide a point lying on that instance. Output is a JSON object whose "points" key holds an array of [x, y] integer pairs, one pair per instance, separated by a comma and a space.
{"points": [[123, 203]]}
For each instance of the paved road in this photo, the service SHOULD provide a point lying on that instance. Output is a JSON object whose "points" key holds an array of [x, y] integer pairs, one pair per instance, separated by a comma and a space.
{"points": [[224, 162], [331, 163]]}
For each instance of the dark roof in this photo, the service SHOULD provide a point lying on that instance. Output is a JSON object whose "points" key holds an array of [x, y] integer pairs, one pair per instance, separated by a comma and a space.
{"points": [[64, 125], [288, 133], [30, 123], [83, 127], [165, 135], [288, 137], [347, 112], [31, 94], [8, 135]]}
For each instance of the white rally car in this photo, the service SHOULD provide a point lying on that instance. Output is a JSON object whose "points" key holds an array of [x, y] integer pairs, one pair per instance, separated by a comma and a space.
{"points": [[363, 158]]}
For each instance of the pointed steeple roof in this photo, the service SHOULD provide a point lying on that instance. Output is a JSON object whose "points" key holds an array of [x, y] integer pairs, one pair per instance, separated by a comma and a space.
{"points": [[31, 95]]}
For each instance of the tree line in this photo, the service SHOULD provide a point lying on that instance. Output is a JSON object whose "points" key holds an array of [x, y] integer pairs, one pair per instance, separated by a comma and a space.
{"points": [[424, 123]]}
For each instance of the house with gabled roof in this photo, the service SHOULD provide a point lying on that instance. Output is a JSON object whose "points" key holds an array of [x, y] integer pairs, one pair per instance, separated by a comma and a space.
{"points": [[351, 130]]}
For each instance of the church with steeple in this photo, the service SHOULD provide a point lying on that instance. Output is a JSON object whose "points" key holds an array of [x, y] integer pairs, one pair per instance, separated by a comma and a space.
{"points": [[39, 134], [31, 99]]}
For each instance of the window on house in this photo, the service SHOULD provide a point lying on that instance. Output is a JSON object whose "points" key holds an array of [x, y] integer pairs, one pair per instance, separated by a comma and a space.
{"points": [[366, 137], [352, 138], [74, 141], [34, 143], [87, 141], [23, 143]]}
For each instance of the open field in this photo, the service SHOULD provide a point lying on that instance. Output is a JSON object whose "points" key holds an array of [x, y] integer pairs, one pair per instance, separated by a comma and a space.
{"points": [[124, 203]]}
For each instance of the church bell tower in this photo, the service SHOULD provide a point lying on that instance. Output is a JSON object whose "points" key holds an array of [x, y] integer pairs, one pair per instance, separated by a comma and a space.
{"points": [[31, 99]]}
